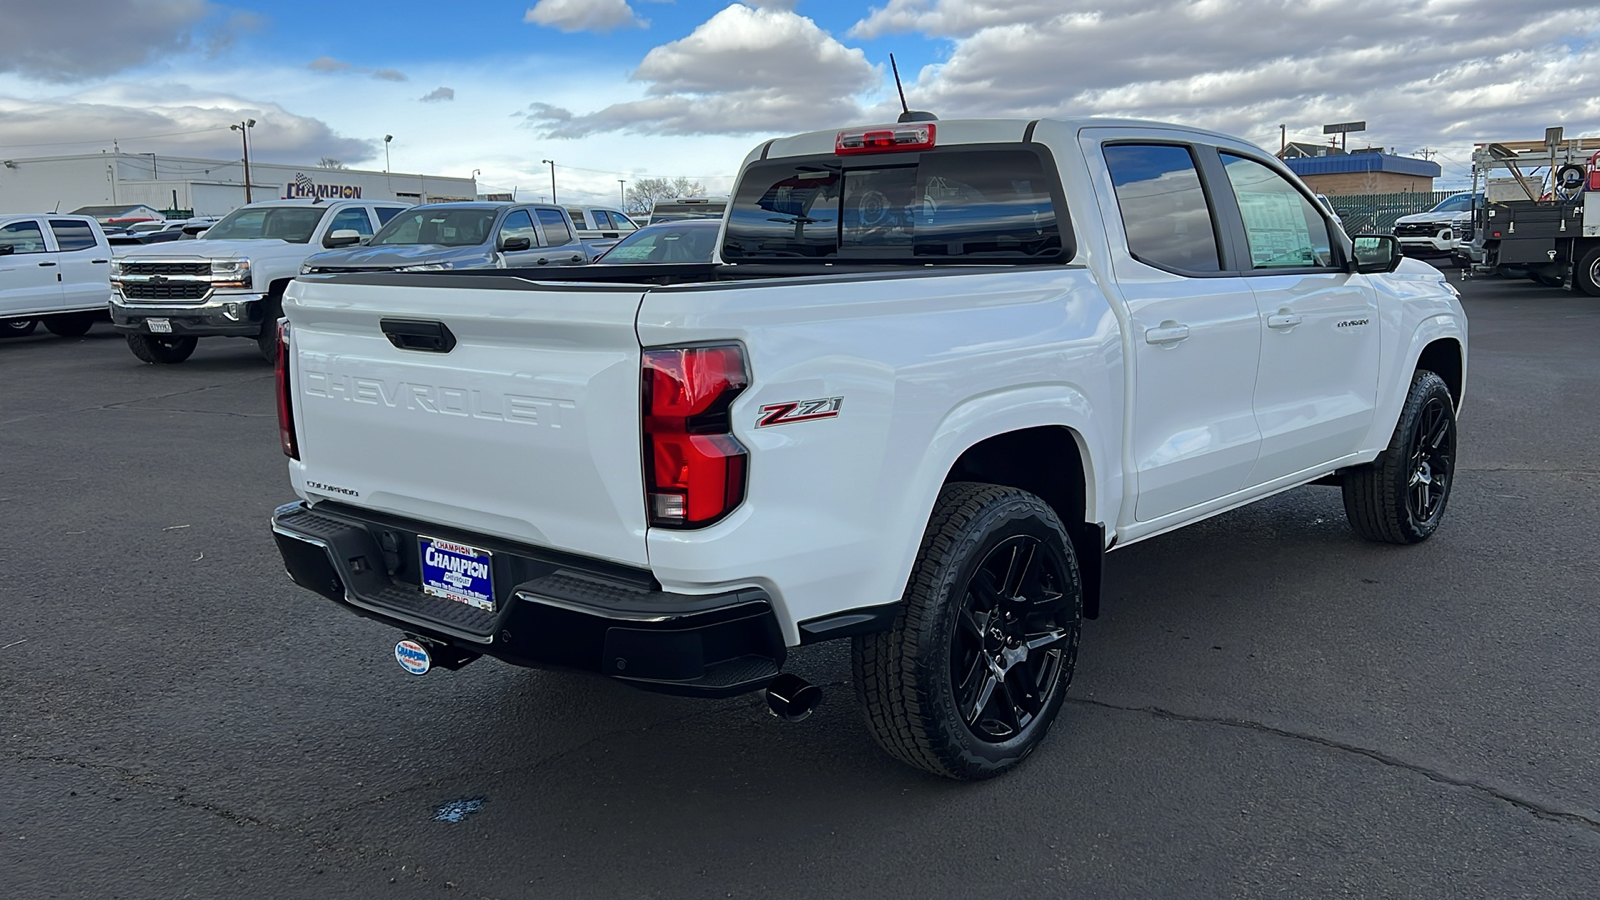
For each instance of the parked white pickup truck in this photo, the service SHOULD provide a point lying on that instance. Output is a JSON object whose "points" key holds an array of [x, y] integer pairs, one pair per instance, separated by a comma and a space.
{"points": [[936, 372], [228, 282]]}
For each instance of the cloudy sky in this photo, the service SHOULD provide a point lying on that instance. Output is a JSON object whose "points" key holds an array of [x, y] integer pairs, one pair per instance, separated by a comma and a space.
{"points": [[615, 89]]}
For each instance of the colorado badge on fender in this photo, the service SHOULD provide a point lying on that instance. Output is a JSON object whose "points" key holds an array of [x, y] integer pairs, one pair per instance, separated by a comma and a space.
{"points": [[413, 657]]}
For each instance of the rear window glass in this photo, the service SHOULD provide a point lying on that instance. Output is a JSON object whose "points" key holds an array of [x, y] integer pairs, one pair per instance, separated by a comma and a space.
{"points": [[990, 205]]}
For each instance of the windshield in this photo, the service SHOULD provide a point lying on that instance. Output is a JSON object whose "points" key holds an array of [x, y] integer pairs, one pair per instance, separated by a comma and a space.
{"points": [[446, 227], [682, 242], [1458, 203], [285, 223]]}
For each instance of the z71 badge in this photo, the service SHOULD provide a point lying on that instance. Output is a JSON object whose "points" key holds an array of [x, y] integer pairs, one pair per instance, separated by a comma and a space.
{"points": [[799, 411]]}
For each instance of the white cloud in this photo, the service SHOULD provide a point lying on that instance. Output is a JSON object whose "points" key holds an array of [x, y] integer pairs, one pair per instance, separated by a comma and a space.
{"points": [[87, 38], [328, 64], [583, 15], [167, 118], [438, 94], [332, 65], [1418, 71], [957, 18], [389, 75], [744, 70]]}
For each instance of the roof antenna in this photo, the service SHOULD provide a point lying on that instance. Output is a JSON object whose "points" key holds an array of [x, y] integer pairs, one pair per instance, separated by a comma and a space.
{"points": [[907, 114]]}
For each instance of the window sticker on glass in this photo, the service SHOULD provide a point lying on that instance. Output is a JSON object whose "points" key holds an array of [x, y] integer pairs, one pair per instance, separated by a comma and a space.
{"points": [[1282, 227]]}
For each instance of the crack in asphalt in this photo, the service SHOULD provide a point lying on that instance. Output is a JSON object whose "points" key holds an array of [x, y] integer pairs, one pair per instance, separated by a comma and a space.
{"points": [[125, 404], [1534, 807], [148, 782]]}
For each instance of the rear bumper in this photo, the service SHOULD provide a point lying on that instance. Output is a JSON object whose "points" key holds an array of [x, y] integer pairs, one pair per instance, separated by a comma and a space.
{"points": [[552, 610]]}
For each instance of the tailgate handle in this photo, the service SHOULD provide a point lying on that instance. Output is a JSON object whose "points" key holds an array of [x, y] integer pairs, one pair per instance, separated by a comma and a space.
{"points": [[418, 334]]}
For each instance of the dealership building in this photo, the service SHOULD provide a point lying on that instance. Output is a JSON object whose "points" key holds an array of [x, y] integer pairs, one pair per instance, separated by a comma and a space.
{"points": [[209, 187]]}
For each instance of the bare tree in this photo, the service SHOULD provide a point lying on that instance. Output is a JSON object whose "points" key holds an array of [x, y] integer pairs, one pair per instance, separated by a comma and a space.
{"points": [[643, 193], [328, 162]]}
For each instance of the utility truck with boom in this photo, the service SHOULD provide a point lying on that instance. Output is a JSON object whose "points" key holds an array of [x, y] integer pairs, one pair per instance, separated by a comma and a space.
{"points": [[936, 371]]}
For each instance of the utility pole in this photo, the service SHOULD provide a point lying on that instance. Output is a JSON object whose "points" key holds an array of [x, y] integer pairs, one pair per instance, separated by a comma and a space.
{"points": [[244, 135], [552, 178], [1283, 140], [622, 194]]}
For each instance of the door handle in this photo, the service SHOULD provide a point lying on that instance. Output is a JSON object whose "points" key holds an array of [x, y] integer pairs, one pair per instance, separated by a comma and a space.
{"points": [[543, 261], [1283, 320], [1167, 333], [99, 261], [577, 257], [46, 264]]}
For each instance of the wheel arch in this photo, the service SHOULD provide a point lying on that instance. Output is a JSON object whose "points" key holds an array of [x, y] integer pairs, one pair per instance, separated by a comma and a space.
{"points": [[1444, 357], [1051, 462]]}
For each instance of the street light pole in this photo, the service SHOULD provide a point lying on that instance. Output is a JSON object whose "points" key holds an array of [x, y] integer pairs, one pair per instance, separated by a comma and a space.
{"points": [[552, 178], [244, 134], [622, 194], [386, 139]]}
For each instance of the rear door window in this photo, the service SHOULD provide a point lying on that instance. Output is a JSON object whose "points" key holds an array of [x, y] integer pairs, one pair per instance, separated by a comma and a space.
{"points": [[938, 206], [556, 231], [71, 235], [577, 218], [1164, 208]]}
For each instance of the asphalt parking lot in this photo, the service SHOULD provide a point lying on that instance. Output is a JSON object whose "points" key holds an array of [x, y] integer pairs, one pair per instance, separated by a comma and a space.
{"points": [[1267, 707]]}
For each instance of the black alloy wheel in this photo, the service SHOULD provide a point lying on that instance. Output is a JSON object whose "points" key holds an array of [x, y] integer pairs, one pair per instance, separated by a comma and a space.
{"points": [[1015, 622], [1432, 461], [1400, 497]]}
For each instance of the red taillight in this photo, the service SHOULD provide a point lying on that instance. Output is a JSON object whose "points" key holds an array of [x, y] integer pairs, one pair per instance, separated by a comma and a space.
{"points": [[878, 140], [694, 467], [285, 406]]}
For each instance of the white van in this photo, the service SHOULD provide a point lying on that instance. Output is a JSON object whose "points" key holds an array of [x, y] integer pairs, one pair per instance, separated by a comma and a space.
{"points": [[54, 269], [687, 208]]}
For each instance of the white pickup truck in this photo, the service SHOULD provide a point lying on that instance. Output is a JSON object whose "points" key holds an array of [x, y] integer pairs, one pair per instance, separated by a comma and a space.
{"points": [[936, 372], [230, 281]]}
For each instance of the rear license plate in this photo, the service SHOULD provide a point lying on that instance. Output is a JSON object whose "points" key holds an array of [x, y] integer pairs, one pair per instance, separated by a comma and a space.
{"points": [[457, 572], [159, 326]]}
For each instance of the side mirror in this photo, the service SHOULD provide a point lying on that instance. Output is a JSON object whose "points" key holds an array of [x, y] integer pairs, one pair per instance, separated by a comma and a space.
{"points": [[1376, 253], [512, 245], [344, 237]]}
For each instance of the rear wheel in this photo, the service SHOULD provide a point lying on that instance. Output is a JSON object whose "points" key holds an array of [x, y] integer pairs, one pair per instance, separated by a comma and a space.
{"points": [[1587, 275], [161, 350], [975, 669], [1400, 497], [18, 327], [70, 324]]}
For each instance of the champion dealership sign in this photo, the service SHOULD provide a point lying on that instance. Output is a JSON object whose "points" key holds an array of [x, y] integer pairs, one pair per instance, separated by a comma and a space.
{"points": [[304, 188]]}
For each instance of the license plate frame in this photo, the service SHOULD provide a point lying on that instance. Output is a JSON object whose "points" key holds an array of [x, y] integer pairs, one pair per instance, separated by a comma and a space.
{"points": [[159, 326], [457, 572]]}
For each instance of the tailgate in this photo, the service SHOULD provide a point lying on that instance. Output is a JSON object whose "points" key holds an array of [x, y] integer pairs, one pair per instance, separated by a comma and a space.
{"points": [[526, 429]]}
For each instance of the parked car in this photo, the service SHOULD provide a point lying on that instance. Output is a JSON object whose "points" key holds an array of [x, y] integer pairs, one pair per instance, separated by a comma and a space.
{"points": [[230, 282], [466, 235], [601, 226], [1436, 234], [687, 208], [1328, 205], [144, 233], [934, 377], [54, 269], [684, 241]]}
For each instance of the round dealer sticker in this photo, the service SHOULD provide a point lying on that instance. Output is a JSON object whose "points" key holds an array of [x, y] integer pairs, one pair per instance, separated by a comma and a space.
{"points": [[413, 657]]}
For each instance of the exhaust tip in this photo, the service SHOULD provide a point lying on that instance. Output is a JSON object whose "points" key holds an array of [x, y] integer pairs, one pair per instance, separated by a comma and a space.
{"points": [[792, 698]]}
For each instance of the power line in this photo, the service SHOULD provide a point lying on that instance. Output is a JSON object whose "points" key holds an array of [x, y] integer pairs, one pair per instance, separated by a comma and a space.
{"points": [[144, 137]]}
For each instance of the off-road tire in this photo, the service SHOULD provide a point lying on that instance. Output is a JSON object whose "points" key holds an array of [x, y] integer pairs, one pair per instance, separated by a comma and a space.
{"points": [[1378, 497], [161, 350], [903, 677], [69, 324], [18, 327], [1586, 277]]}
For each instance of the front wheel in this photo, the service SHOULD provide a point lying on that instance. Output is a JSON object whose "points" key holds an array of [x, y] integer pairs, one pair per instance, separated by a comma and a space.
{"points": [[968, 681], [70, 324], [1400, 497], [18, 327], [161, 350]]}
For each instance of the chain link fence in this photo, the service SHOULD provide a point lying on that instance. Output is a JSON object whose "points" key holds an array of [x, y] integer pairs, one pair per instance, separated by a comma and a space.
{"points": [[1375, 213]]}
